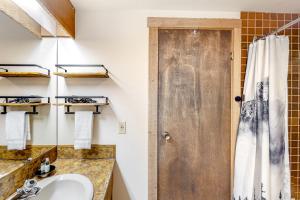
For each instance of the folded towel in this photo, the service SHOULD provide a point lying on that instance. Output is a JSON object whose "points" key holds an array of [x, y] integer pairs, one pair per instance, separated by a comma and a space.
{"points": [[35, 100], [17, 130], [83, 129]]}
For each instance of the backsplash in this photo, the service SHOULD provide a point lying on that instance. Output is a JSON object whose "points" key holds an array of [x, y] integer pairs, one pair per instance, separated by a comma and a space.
{"points": [[258, 24], [16, 178], [96, 152], [29, 152]]}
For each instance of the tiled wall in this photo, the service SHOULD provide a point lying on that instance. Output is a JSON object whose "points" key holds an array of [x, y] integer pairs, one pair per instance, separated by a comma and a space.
{"points": [[258, 24]]}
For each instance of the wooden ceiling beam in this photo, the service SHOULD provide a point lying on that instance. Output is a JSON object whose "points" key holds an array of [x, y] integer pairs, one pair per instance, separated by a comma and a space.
{"points": [[61, 10], [64, 13], [13, 11]]}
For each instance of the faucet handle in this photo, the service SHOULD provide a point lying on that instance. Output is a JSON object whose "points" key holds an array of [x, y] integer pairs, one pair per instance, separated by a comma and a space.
{"points": [[20, 191], [28, 190], [29, 184]]}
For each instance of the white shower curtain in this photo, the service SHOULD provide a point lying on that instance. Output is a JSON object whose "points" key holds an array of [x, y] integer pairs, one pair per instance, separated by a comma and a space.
{"points": [[262, 161]]}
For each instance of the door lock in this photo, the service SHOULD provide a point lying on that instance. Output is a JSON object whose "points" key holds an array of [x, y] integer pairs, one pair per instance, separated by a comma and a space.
{"points": [[166, 136]]}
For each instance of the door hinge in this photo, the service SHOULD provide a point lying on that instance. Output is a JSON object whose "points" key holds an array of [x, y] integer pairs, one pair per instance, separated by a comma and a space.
{"points": [[231, 56]]}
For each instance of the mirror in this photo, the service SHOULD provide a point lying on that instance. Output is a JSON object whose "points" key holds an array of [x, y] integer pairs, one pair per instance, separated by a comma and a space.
{"points": [[29, 87]]}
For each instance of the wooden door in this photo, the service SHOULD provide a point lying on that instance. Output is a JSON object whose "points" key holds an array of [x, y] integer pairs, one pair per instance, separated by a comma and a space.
{"points": [[194, 96]]}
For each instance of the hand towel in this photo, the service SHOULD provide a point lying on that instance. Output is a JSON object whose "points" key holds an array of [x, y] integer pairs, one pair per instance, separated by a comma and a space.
{"points": [[27, 128], [83, 129], [17, 130]]}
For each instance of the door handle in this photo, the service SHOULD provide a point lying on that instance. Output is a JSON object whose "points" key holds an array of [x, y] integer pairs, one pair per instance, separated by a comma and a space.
{"points": [[166, 136]]}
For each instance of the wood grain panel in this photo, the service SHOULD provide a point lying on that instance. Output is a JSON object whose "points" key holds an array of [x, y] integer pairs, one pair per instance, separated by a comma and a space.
{"points": [[82, 75], [152, 113], [23, 104], [80, 104], [165, 22], [235, 91], [64, 12], [24, 74], [194, 107], [60, 32]]}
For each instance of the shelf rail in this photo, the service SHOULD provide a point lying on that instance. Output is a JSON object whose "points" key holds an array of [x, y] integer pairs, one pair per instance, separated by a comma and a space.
{"points": [[6, 70]]}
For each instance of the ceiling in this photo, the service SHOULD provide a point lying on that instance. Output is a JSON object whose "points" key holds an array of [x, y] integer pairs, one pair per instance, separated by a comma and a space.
{"points": [[198, 5]]}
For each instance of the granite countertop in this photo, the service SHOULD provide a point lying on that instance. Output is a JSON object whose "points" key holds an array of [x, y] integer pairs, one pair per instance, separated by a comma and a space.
{"points": [[31, 151], [99, 171], [11, 160], [8, 166]]}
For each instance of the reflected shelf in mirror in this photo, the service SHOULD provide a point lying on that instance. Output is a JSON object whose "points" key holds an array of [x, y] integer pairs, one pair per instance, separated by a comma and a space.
{"points": [[7, 73], [23, 101]]}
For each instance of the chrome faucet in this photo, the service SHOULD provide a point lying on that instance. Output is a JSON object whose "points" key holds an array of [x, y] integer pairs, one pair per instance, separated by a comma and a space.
{"points": [[29, 189]]}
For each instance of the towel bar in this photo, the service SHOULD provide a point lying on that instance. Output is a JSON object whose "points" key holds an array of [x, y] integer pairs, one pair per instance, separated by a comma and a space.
{"points": [[97, 112]]}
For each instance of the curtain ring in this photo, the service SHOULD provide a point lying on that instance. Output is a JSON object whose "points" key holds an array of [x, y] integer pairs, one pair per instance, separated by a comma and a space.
{"points": [[254, 38]]}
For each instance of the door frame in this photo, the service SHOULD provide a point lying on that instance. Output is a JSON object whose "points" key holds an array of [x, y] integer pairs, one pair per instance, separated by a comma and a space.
{"points": [[156, 23]]}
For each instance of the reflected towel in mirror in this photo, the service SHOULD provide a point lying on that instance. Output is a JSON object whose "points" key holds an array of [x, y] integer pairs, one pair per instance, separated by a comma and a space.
{"points": [[17, 130]]}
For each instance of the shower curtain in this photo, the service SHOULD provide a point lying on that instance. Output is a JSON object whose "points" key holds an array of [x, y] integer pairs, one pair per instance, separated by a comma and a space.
{"points": [[262, 161]]}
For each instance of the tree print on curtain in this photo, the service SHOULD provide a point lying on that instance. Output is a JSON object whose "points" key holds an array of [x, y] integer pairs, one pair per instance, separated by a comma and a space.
{"points": [[254, 120], [261, 170]]}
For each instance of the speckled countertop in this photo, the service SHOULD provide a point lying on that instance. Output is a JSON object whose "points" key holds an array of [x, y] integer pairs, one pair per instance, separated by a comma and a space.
{"points": [[11, 160], [31, 151], [8, 166], [99, 171]]}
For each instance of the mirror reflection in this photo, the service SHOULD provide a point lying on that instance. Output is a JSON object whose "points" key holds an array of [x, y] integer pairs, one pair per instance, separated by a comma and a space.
{"points": [[27, 90]]}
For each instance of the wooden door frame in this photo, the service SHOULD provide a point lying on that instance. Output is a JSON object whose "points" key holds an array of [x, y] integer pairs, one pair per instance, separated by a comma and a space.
{"points": [[156, 23]]}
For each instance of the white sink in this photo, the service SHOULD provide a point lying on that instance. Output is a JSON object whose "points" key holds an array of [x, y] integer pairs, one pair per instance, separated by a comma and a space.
{"points": [[66, 187]]}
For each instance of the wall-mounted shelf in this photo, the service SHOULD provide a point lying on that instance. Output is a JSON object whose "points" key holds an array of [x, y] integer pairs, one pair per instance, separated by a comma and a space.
{"points": [[23, 104], [66, 74], [96, 105], [81, 104], [6, 73], [33, 105]]}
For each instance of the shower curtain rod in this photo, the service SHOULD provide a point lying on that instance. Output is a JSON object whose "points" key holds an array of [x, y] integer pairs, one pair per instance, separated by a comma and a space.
{"points": [[279, 29], [286, 26]]}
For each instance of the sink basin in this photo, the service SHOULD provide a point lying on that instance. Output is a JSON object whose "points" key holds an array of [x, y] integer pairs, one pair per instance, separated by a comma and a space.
{"points": [[66, 187]]}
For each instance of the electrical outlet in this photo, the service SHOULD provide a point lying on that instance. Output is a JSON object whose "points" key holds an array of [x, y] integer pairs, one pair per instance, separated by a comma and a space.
{"points": [[122, 127]]}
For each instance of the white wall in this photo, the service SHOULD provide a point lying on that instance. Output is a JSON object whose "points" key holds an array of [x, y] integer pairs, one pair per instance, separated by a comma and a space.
{"points": [[119, 40], [19, 46]]}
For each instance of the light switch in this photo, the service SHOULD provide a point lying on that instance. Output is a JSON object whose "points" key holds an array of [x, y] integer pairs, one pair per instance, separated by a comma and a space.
{"points": [[122, 127]]}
